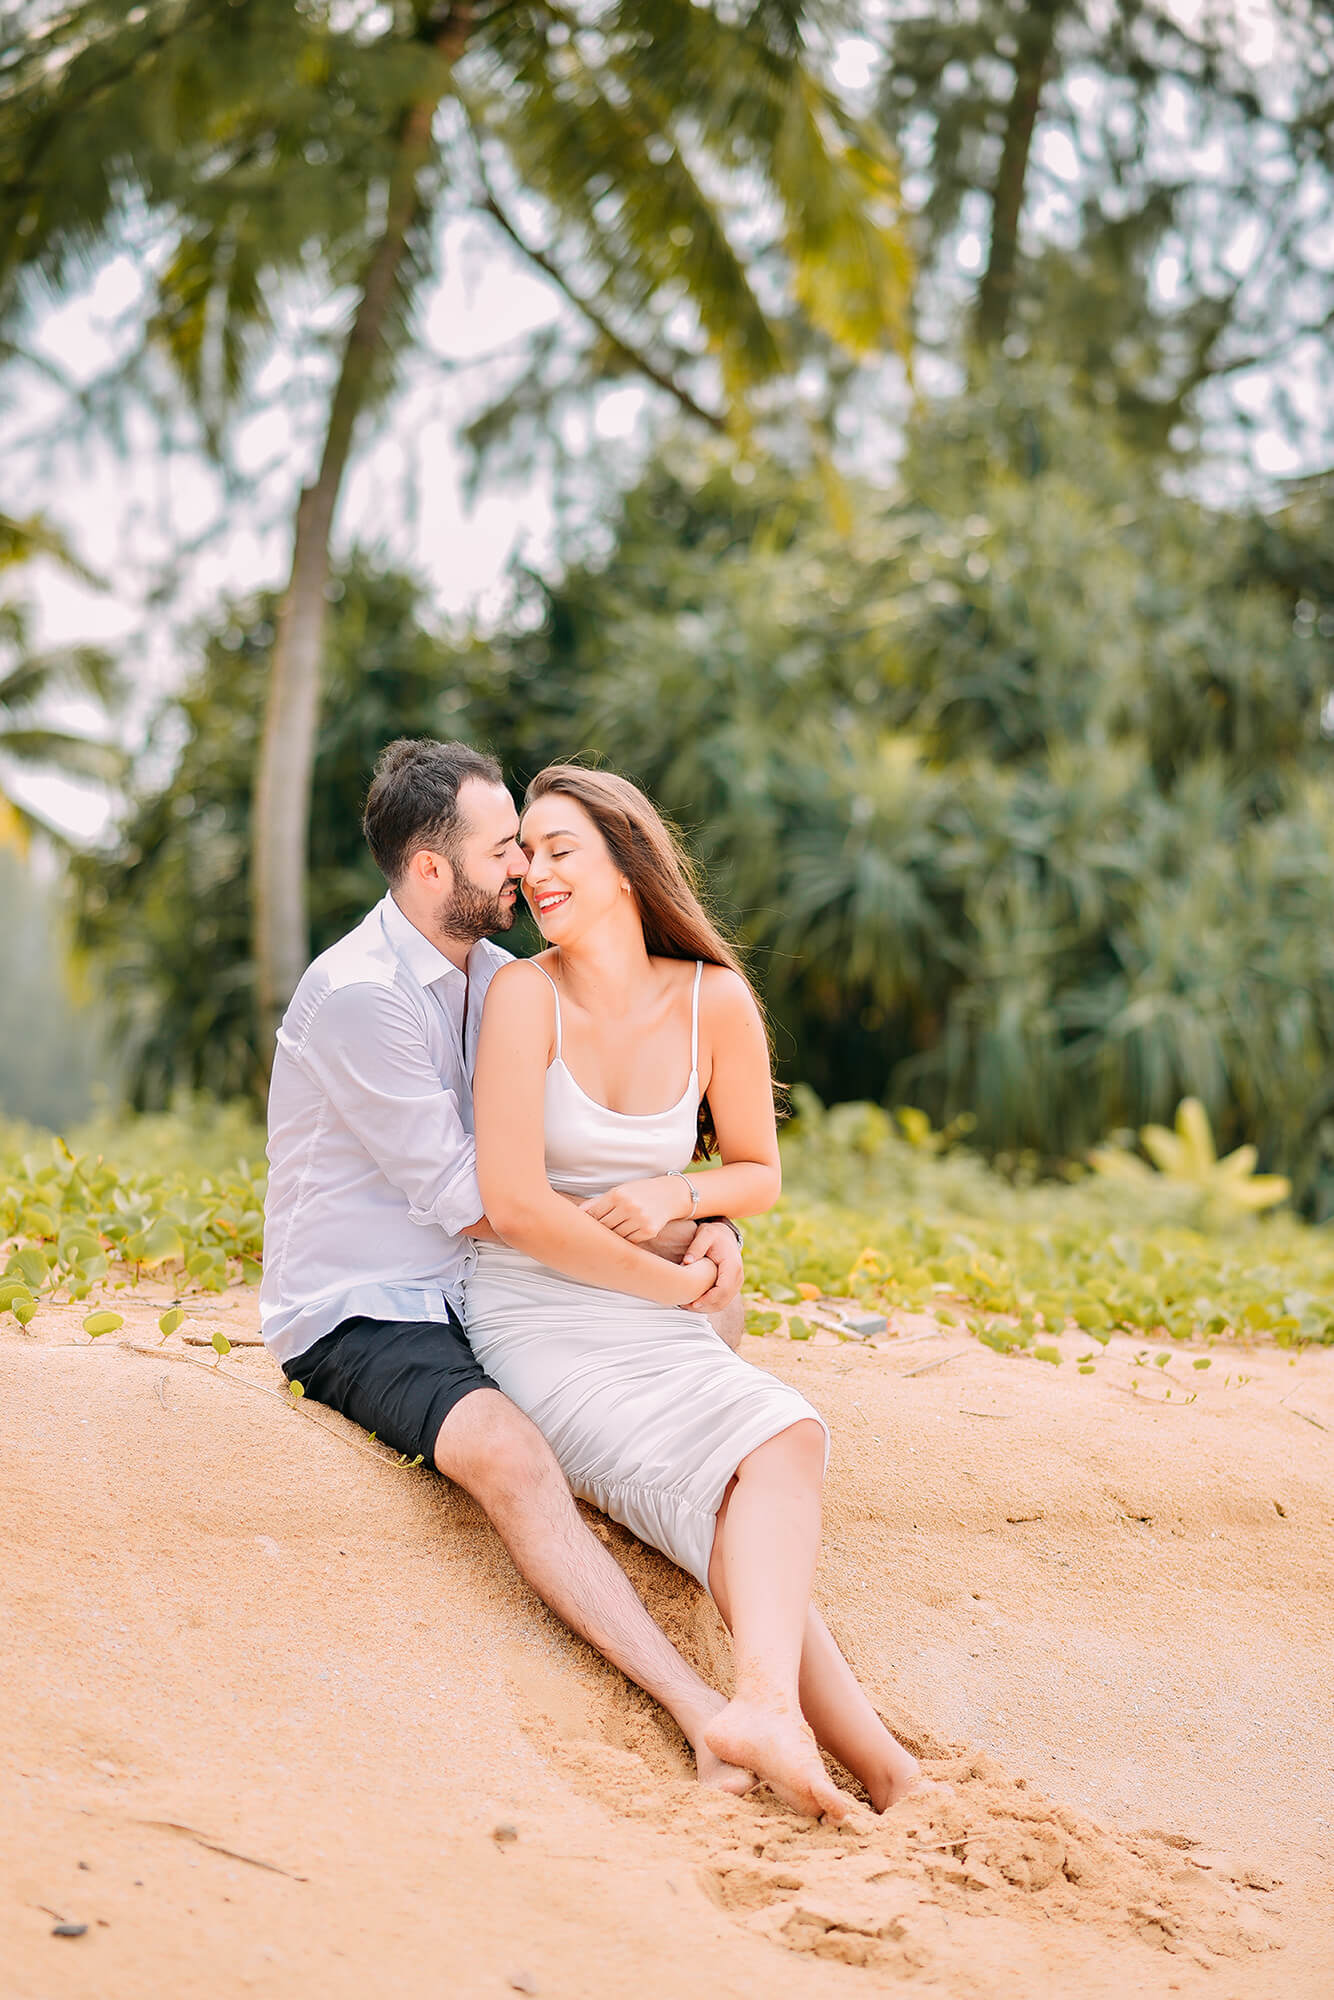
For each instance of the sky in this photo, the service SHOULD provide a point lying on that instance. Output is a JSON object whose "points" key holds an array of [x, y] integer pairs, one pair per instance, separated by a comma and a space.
{"points": [[126, 511]]}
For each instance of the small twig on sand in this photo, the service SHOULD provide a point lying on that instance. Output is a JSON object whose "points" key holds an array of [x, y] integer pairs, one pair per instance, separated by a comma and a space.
{"points": [[262, 1389], [939, 1362], [1305, 1415], [943, 1846], [216, 1847]]}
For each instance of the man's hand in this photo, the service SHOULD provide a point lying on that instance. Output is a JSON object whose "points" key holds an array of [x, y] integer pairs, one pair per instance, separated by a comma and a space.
{"points": [[673, 1241], [715, 1241]]}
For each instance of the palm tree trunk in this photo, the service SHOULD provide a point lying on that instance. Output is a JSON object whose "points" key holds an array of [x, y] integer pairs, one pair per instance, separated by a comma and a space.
{"points": [[1037, 36], [280, 818]]}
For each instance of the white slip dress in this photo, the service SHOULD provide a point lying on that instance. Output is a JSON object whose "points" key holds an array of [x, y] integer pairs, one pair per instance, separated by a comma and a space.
{"points": [[647, 1410]]}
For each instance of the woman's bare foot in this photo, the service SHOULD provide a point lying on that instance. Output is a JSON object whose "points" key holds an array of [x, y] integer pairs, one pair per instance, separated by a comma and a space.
{"points": [[901, 1775], [781, 1750]]}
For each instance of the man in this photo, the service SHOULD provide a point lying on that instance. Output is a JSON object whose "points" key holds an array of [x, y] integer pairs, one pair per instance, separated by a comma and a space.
{"points": [[373, 1207]]}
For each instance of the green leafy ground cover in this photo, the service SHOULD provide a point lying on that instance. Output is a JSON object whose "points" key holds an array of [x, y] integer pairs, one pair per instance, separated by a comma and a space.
{"points": [[889, 1212], [180, 1194], [877, 1209]]}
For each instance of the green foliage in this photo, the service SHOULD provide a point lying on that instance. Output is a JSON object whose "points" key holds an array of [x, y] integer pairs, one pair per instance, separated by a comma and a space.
{"points": [[657, 150], [1017, 789], [866, 1214], [172, 1196]]}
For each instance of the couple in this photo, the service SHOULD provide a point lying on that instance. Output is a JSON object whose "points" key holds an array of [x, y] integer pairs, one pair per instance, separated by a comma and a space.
{"points": [[481, 1239]]}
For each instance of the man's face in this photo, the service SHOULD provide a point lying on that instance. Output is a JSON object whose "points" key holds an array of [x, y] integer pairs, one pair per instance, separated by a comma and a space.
{"points": [[488, 864]]}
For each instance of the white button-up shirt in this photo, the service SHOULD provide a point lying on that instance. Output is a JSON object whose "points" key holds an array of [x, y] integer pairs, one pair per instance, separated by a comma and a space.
{"points": [[371, 1167]]}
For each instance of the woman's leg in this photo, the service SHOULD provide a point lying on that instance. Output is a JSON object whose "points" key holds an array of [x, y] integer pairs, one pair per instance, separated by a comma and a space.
{"points": [[831, 1697], [764, 1554], [845, 1723]]}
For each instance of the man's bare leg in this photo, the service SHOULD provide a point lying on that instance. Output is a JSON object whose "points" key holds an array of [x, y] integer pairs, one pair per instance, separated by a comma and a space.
{"points": [[487, 1446]]}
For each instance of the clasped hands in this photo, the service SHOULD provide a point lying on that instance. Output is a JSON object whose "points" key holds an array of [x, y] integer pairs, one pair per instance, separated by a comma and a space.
{"points": [[648, 1212]]}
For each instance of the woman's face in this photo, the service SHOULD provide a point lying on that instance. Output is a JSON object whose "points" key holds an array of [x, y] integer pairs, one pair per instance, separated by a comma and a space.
{"points": [[572, 881]]}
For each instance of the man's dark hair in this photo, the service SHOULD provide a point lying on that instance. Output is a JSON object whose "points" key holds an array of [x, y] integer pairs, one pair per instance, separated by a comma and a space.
{"points": [[413, 801]]}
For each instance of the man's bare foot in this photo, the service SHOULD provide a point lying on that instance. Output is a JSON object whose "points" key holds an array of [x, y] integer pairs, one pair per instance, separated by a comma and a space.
{"points": [[713, 1771], [718, 1776], [780, 1749]]}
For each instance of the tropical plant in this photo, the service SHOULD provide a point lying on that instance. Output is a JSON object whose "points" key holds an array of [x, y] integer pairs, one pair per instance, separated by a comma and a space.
{"points": [[73, 1218], [277, 142], [1227, 1187], [1019, 788], [32, 680]]}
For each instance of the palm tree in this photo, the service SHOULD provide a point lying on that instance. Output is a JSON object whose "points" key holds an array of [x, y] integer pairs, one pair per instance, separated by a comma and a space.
{"points": [[612, 145], [28, 682]]}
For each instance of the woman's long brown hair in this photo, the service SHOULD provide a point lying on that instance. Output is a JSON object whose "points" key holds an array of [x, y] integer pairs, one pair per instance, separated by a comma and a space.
{"points": [[662, 877]]}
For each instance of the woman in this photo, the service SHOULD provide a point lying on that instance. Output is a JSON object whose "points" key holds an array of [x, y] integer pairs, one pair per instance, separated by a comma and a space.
{"points": [[652, 1417]]}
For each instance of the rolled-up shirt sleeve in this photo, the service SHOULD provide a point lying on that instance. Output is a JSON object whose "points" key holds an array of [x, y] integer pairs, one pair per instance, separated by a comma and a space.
{"points": [[366, 1048]]}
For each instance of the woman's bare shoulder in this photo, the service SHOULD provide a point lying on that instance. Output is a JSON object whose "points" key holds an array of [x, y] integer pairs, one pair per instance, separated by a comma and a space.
{"points": [[724, 997], [521, 984]]}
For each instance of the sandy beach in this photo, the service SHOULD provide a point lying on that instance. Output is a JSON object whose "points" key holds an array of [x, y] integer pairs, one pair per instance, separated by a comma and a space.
{"points": [[279, 1719]]}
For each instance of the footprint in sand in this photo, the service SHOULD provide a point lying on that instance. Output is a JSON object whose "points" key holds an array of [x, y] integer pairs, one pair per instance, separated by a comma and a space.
{"points": [[973, 1843], [979, 1844]]}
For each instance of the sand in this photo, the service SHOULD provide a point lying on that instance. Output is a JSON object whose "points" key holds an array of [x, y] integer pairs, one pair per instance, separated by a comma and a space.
{"points": [[277, 1718]]}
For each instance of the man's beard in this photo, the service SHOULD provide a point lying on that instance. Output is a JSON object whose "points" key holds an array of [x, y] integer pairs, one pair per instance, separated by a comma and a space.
{"points": [[472, 912]]}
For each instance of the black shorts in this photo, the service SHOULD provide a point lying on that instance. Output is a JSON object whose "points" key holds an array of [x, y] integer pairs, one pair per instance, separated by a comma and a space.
{"points": [[398, 1378]]}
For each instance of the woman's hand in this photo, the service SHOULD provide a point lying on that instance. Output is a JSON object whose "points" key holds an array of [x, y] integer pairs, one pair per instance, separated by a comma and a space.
{"points": [[640, 1210], [692, 1281], [717, 1242]]}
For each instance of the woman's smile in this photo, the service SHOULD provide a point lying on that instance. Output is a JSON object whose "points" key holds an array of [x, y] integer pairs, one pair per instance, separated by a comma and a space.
{"points": [[550, 899]]}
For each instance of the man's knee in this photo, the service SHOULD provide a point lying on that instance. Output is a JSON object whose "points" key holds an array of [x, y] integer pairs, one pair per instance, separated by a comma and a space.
{"points": [[730, 1324], [496, 1453]]}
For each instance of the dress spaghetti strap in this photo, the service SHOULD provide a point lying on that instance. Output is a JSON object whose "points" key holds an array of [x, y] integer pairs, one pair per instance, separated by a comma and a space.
{"points": [[556, 994], [694, 1018]]}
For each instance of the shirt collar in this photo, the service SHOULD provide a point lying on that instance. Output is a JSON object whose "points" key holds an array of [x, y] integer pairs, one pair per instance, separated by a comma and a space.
{"points": [[425, 961]]}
